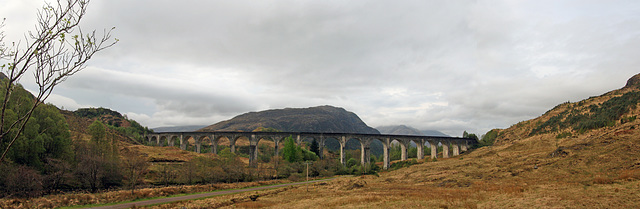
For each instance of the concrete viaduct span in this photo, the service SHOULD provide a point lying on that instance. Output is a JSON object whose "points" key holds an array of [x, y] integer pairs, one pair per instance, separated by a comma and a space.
{"points": [[458, 144]]}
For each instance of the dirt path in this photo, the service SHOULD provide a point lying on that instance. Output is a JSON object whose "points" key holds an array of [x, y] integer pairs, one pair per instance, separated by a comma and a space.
{"points": [[196, 196]]}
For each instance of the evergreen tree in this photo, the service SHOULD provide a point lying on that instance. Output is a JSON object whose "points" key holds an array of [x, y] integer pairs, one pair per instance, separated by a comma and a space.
{"points": [[290, 151], [468, 135], [315, 148], [294, 153]]}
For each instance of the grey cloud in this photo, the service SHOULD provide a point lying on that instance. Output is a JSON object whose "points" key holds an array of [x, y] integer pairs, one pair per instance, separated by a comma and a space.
{"points": [[170, 94], [445, 65]]}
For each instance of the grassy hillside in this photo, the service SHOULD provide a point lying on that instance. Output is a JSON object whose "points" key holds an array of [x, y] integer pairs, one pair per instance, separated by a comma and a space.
{"points": [[80, 120]]}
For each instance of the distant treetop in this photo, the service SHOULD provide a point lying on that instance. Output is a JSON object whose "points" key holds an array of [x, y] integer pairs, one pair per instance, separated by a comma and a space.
{"points": [[95, 112]]}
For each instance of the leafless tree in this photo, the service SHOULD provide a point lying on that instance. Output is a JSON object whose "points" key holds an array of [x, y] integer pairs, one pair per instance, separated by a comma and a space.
{"points": [[135, 167], [167, 174], [57, 49]]}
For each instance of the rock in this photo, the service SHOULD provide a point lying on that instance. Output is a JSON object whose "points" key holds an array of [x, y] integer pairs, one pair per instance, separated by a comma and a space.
{"points": [[254, 197]]}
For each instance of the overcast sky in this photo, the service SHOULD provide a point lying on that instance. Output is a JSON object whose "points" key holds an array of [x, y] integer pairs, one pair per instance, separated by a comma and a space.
{"points": [[442, 65]]}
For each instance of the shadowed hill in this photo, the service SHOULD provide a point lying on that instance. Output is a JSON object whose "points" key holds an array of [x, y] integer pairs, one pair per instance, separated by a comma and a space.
{"points": [[327, 119], [178, 128], [313, 119]]}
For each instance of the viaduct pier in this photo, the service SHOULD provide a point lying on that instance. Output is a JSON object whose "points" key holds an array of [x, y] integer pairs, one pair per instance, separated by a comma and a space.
{"points": [[457, 144]]}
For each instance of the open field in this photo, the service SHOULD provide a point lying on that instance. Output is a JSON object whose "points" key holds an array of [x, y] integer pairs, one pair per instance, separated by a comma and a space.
{"points": [[80, 198]]}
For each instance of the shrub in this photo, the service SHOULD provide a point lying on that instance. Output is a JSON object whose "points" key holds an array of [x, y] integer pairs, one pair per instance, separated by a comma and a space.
{"points": [[352, 162], [402, 164], [563, 135], [489, 138], [23, 181], [297, 176], [602, 180]]}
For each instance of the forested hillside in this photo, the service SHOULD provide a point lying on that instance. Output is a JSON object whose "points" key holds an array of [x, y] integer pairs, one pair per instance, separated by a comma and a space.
{"points": [[62, 150]]}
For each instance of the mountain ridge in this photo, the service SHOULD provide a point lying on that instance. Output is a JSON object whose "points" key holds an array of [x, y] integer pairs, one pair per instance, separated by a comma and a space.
{"points": [[408, 130], [178, 128], [312, 119]]}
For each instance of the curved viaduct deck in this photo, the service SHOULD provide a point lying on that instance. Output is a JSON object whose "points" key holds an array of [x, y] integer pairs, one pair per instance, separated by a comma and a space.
{"points": [[458, 144]]}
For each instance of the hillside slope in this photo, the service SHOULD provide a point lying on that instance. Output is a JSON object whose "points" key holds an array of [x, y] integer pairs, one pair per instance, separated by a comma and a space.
{"points": [[124, 131], [593, 117]]}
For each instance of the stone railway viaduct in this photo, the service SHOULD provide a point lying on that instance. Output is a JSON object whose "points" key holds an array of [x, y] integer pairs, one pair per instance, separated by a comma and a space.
{"points": [[458, 144]]}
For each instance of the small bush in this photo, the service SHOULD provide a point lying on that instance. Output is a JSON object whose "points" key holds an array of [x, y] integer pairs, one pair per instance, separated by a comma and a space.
{"points": [[297, 176], [628, 119], [563, 135], [352, 162]]}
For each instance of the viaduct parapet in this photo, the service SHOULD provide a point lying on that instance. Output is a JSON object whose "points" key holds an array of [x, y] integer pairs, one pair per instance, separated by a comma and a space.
{"points": [[458, 144]]}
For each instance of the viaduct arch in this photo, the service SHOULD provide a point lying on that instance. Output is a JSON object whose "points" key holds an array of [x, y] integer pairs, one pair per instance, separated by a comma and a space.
{"points": [[458, 144]]}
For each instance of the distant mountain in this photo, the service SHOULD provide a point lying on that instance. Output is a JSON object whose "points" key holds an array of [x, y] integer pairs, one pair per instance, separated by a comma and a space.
{"points": [[433, 133], [399, 130], [178, 128], [326, 119], [408, 130]]}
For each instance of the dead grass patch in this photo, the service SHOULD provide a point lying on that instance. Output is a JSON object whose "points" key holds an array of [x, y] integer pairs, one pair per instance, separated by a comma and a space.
{"points": [[629, 174], [255, 204], [53, 201]]}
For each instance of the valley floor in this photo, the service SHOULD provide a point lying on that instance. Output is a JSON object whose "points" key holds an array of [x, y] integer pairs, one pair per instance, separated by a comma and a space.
{"points": [[385, 192], [599, 169]]}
